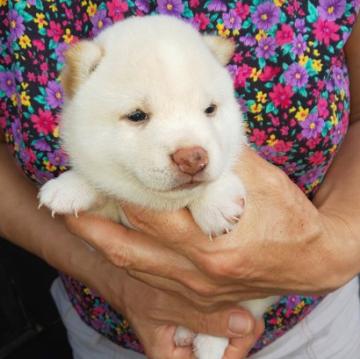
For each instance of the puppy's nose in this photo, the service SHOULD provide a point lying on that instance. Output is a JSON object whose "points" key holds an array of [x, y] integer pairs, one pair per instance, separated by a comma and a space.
{"points": [[190, 160]]}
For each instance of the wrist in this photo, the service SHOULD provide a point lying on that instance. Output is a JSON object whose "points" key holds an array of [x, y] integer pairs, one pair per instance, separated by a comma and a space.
{"points": [[339, 250]]}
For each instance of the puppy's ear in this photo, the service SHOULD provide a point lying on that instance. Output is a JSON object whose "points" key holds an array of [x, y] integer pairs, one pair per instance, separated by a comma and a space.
{"points": [[81, 59], [223, 49]]}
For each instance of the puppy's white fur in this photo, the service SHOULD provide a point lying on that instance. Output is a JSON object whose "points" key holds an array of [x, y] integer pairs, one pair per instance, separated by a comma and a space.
{"points": [[165, 68]]}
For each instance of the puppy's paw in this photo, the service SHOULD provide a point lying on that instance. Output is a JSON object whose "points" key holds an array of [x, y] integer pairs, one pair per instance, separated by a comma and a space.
{"points": [[209, 347], [218, 211], [67, 194], [183, 337]]}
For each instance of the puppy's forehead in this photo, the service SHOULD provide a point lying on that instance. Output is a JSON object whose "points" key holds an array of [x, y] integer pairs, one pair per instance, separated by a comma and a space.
{"points": [[158, 57]]}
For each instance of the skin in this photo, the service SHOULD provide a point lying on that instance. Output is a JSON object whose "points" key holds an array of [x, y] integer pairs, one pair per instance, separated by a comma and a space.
{"points": [[298, 246]]}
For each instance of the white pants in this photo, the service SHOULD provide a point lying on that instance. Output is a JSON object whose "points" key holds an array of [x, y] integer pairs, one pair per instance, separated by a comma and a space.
{"points": [[331, 331]]}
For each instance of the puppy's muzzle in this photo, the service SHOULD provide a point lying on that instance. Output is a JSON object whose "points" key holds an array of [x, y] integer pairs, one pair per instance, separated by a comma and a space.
{"points": [[190, 160]]}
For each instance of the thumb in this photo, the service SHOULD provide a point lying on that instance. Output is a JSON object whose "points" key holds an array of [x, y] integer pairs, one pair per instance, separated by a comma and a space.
{"points": [[231, 323]]}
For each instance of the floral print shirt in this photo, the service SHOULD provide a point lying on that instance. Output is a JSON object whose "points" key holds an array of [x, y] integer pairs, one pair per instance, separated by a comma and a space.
{"points": [[289, 74]]}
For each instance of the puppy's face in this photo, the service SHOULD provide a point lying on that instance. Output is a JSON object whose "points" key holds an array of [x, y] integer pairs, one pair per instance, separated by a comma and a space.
{"points": [[150, 102]]}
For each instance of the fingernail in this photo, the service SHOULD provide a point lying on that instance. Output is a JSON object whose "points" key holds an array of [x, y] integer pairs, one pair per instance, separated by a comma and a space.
{"points": [[239, 324]]}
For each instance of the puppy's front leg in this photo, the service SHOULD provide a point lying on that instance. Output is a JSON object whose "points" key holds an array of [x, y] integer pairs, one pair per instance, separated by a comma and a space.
{"points": [[220, 207], [67, 194]]}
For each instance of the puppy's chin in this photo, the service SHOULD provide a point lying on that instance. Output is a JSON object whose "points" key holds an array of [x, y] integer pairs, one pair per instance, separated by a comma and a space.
{"points": [[183, 184]]}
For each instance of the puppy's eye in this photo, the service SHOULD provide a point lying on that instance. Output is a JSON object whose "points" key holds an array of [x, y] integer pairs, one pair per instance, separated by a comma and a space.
{"points": [[137, 116], [211, 109]]}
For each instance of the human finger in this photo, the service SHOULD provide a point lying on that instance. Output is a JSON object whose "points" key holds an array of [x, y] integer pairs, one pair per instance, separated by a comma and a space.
{"points": [[125, 248], [239, 348]]}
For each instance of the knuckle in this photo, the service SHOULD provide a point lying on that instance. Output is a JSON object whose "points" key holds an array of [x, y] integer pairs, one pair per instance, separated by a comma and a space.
{"points": [[119, 258], [219, 266], [204, 290]]}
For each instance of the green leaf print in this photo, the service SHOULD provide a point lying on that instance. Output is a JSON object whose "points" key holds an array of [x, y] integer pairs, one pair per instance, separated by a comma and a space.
{"points": [[312, 17]]}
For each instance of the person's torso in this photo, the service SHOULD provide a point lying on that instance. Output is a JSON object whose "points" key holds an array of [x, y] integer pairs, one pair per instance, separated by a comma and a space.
{"points": [[289, 74]]}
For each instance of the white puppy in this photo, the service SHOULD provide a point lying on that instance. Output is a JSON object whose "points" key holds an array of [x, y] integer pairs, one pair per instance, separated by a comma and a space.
{"points": [[151, 118]]}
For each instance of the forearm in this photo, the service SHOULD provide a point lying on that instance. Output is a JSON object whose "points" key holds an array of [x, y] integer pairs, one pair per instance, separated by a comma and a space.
{"points": [[339, 197], [34, 230]]}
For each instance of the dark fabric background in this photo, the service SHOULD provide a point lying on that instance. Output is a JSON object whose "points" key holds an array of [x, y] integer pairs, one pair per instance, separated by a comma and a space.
{"points": [[29, 323]]}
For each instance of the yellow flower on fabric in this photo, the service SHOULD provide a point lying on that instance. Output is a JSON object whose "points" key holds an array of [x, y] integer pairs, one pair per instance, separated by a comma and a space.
{"points": [[259, 118], [317, 65], [292, 109], [83, 3], [316, 52], [272, 140], [24, 85], [222, 31], [53, 8], [256, 107], [14, 99], [303, 60], [236, 32], [255, 74], [56, 132], [333, 106], [3, 2], [261, 97], [86, 290], [334, 119], [40, 20], [302, 114], [25, 99], [49, 167], [279, 3], [333, 149], [342, 94], [24, 41], [91, 9], [68, 37], [260, 35]]}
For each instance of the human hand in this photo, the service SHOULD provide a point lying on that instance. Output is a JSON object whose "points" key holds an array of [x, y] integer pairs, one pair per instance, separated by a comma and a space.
{"points": [[154, 315], [290, 250]]}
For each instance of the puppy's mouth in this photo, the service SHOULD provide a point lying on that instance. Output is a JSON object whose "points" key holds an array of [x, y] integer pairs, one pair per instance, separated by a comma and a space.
{"points": [[188, 185]]}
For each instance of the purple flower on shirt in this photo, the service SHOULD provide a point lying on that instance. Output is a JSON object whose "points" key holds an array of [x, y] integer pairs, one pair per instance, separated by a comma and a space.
{"points": [[300, 25], [7, 83], [312, 126], [58, 158], [143, 5], [296, 75], [266, 47], [100, 21], [60, 50], [54, 94], [42, 145], [248, 40], [170, 7], [298, 45], [331, 9], [338, 77], [232, 20], [266, 15], [337, 136], [311, 176], [16, 25], [232, 70], [217, 5], [16, 130]]}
